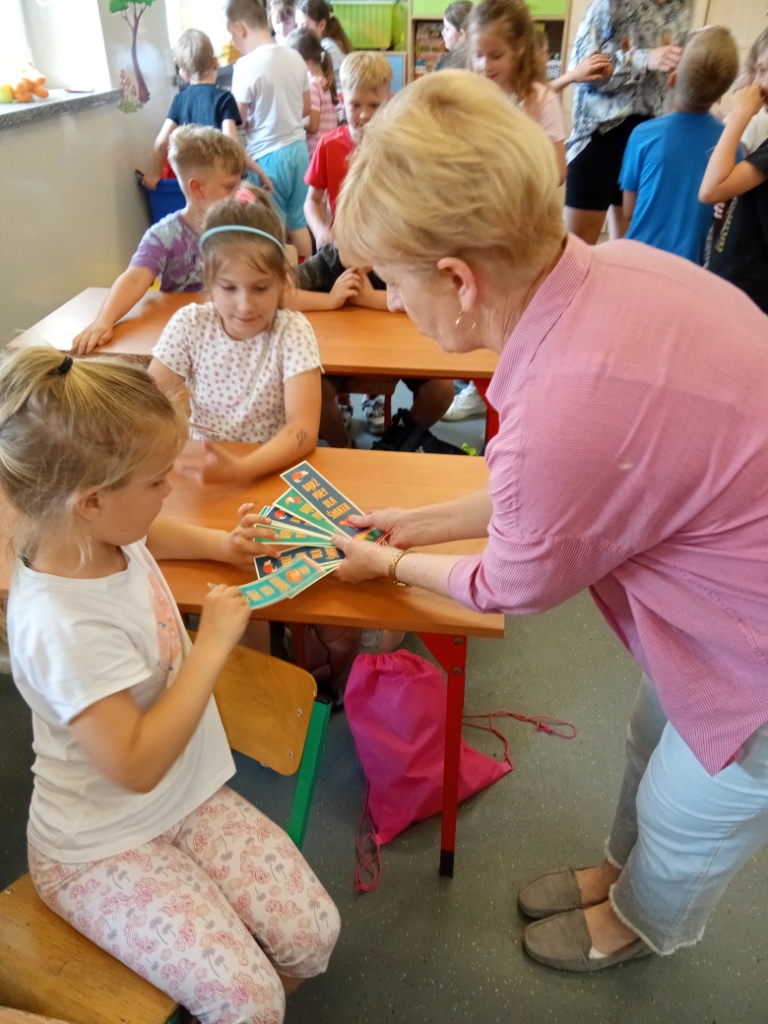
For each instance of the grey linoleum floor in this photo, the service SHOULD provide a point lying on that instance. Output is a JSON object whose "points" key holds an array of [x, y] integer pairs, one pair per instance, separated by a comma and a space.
{"points": [[428, 950]]}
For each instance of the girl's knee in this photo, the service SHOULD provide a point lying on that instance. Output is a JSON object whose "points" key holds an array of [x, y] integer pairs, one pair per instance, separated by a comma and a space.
{"points": [[313, 955], [253, 993]]}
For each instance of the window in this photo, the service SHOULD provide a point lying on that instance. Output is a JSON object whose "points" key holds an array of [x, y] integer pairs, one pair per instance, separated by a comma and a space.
{"points": [[62, 39]]}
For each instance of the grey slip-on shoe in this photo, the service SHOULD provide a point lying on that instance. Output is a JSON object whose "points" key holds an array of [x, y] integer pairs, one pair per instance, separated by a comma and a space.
{"points": [[564, 942], [554, 892]]}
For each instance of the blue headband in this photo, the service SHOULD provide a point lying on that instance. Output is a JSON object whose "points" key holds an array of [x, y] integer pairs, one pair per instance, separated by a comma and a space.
{"points": [[243, 227]]}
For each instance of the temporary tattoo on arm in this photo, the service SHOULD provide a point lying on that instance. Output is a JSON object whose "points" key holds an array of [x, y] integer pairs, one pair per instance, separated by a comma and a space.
{"points": [[301, 437]]}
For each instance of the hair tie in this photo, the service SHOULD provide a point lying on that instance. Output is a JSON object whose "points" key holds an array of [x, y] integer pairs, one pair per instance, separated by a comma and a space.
{"points": [[63, 369], [241, 227]]}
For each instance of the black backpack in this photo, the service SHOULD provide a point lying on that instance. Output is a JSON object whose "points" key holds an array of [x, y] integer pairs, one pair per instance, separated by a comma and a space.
{"points": [[405, 435]]}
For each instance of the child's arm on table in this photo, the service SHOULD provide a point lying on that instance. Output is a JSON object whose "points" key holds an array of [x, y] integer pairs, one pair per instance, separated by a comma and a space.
{"points": [[291, 444], [724, 178], [368, 296], [173, 538], [136, 749], [159, 153], [315, 212], [344, 289], [131, 286]]}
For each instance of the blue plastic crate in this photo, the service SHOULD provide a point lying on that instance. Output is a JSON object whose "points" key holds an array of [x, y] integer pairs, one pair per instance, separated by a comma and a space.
{"points": [[166, 198]]}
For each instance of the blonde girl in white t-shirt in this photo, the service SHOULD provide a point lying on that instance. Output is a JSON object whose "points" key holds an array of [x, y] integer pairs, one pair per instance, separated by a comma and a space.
{"points": [[134, 838], [503, 47], [251, 368]]}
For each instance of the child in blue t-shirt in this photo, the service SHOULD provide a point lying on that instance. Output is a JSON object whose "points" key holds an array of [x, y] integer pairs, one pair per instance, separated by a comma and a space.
{"points": [[666, 157], [202, 102]]}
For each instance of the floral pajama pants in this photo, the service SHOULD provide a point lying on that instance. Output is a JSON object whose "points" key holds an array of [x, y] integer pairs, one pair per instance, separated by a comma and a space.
{"points": [[212, 911]]}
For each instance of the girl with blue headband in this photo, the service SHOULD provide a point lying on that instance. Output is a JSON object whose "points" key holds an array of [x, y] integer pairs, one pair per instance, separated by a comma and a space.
{"points": [[250, 367]]}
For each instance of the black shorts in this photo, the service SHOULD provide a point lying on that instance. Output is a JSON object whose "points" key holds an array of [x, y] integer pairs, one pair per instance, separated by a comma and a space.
{"points": [[592, 182]]}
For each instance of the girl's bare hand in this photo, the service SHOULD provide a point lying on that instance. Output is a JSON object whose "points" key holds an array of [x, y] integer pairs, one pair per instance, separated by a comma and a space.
{"points": [[239, 547], [224, 617]]}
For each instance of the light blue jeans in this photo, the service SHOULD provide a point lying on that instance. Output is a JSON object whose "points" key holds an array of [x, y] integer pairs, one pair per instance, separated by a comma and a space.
{"points": [[680, 834]]}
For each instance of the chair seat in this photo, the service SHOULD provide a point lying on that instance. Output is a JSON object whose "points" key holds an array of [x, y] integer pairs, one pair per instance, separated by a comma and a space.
{"points": [[46, 967]]}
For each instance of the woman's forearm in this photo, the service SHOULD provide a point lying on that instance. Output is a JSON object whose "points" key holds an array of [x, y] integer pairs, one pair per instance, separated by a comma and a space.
{"points": [[459, 519]]}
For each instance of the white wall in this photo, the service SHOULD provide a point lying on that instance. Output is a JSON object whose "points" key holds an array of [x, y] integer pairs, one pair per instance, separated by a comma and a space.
{"points": [[71, 214]]}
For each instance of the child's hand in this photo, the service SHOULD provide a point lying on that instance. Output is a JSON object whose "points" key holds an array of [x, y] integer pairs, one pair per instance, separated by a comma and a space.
{"points": [[346, 287], [224, 617], [239, 547], [266, 182], [150, 181], [746, 103], [365, 292], [664, 58], [214, 465], [92, 337], [594, 68]]}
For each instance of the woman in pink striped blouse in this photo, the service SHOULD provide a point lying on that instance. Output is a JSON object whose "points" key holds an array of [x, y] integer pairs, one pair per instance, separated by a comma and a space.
{"points": [[632, 458]]}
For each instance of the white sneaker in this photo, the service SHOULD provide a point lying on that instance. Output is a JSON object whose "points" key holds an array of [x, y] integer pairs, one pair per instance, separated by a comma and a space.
{"points": [[467, 403], [373, 407]]}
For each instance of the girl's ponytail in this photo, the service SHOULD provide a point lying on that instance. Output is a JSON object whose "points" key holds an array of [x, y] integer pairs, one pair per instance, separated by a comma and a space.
{"points": [[329, 78], [335, 32]]}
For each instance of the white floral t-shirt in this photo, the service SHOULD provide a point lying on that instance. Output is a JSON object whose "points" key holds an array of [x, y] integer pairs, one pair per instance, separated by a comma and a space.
{"points": [[236, 388]]}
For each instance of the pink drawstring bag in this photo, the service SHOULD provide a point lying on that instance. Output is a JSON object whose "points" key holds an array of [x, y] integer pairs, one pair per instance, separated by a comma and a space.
{"points": [[395, 705]]}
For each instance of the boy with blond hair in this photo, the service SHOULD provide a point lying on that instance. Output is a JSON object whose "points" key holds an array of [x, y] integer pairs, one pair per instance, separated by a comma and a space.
{"points": [[665, 158], [209, 167], [202, 102], [271, 87], [366, 80]]}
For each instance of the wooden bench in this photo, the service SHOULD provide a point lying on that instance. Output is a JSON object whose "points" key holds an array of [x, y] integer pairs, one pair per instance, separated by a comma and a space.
{"points": [[46, 967]]}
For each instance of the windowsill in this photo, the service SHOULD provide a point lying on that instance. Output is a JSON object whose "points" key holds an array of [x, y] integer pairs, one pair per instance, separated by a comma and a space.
{"points": [[59, 103]]}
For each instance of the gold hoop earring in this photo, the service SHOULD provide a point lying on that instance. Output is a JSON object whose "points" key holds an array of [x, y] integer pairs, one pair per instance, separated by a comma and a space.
{"points": [[461, 314]]}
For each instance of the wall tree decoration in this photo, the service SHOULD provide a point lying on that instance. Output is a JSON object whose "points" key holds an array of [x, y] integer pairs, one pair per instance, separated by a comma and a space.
{"points": [[132, 11]]}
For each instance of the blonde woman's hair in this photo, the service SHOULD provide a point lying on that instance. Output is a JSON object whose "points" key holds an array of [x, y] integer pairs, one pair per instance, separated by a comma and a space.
{"points": [[707, 68], [194, 148], [365, 70], [70, 425], [193, 53], [512, 20], [449, 167], [260, 253]]}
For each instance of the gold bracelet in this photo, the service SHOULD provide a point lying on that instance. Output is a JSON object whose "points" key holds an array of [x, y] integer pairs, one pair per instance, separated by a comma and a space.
{"points": [[392, 573]]}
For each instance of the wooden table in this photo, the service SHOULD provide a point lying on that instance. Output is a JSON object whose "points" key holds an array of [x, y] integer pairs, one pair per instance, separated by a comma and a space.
{"points": [[372, 479], [352, 342]]}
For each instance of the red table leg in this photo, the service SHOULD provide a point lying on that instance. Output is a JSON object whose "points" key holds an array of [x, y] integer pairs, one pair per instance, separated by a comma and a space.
{"points": [[450, 652], [491, 416]]}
